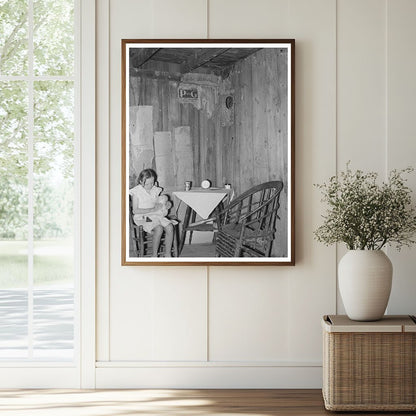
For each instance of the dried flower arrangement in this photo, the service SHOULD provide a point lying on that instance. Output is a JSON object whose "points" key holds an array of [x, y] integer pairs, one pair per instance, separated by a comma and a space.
{"points": [[366, 215]]}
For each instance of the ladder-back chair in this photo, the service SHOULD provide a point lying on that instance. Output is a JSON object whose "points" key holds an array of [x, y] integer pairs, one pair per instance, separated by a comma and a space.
{"points": [[141, 242]]}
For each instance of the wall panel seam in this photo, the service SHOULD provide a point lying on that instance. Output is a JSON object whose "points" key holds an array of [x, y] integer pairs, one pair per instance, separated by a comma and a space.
{"points": [[103, 179]]}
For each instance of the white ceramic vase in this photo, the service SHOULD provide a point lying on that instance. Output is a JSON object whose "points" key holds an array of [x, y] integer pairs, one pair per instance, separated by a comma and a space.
{"points": [[364, 278]]}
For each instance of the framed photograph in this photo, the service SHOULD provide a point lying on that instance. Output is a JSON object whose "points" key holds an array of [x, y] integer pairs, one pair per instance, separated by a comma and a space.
{"points": [[208, 134]]}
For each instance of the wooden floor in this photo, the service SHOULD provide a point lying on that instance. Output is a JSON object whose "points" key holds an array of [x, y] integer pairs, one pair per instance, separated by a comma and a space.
{"points": [[165, 402], [198, 250]]}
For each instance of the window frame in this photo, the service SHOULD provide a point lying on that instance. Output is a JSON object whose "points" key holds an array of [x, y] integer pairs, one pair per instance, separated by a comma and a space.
{"points": [[81, 371]]}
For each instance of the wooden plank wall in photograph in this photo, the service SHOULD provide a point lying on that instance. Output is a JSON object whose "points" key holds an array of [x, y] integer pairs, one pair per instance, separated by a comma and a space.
{"points": [[142, 152], [258, 141], [163, 158], [255, 149], [157, 86]]}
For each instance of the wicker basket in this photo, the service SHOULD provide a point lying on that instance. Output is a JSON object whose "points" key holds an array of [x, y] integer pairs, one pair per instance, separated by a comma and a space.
{"points": [[369, 366]]}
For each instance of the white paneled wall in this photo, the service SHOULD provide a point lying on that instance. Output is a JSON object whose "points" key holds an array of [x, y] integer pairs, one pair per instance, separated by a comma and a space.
{"points": [[254, 319], [361, 84], [254, 326], [163, 316], [401, 132]]}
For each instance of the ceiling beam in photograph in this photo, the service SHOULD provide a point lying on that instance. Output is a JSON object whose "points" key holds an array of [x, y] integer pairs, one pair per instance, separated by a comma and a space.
{"points": [[202, 57], [139, 57]]}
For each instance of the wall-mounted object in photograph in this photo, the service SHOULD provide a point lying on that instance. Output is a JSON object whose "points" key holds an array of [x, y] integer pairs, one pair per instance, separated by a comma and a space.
{"points": [[208, 152]]}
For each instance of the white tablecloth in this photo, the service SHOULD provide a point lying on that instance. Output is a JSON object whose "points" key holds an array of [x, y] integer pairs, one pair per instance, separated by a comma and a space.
{"points": [[203, 201]]}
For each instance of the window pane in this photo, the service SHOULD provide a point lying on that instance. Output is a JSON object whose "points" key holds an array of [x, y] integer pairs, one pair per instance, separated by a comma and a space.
{"points": [[13, 37], [53, 195], [53, 37], [13, 324], [13, 219], [53, 319], [13, 160], [54, 176]]}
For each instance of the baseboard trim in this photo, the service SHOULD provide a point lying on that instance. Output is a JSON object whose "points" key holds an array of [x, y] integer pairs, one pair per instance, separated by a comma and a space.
{"points": [[204, 364], [210, 377]]}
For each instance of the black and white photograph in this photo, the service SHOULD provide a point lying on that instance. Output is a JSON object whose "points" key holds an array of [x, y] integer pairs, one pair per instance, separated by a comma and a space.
{"points": [[208, 152]]}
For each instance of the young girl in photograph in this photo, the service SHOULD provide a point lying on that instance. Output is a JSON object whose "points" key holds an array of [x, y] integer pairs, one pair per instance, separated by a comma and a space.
{"points": [[150, 210]]}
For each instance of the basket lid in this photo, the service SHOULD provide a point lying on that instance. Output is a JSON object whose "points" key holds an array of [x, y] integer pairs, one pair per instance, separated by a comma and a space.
{"points": [[389, 323]]}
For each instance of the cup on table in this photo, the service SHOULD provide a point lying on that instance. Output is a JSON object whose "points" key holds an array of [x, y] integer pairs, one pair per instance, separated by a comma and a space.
{"points": [[188, 185]]}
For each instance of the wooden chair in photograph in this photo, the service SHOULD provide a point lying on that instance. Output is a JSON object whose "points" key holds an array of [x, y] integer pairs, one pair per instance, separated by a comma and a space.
{"points": [[142, 242], [246, 227]]}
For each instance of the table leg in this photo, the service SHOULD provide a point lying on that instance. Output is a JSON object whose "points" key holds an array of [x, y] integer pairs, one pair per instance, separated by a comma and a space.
{"points": [[184, 228], [193, 217]]}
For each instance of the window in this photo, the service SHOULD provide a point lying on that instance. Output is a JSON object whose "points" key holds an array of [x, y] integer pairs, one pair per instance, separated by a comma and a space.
{"points": [[38, 185]]}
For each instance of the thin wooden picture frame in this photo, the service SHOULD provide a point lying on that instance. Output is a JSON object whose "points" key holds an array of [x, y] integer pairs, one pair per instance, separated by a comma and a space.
{"points": [[214, 121]]}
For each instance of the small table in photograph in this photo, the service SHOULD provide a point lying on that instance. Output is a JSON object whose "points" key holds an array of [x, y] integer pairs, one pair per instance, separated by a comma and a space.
{"points": [[202, 202]]}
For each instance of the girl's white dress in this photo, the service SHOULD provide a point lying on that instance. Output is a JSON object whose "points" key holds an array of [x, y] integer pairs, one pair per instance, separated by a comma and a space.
{"points": [[143, 199]]}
